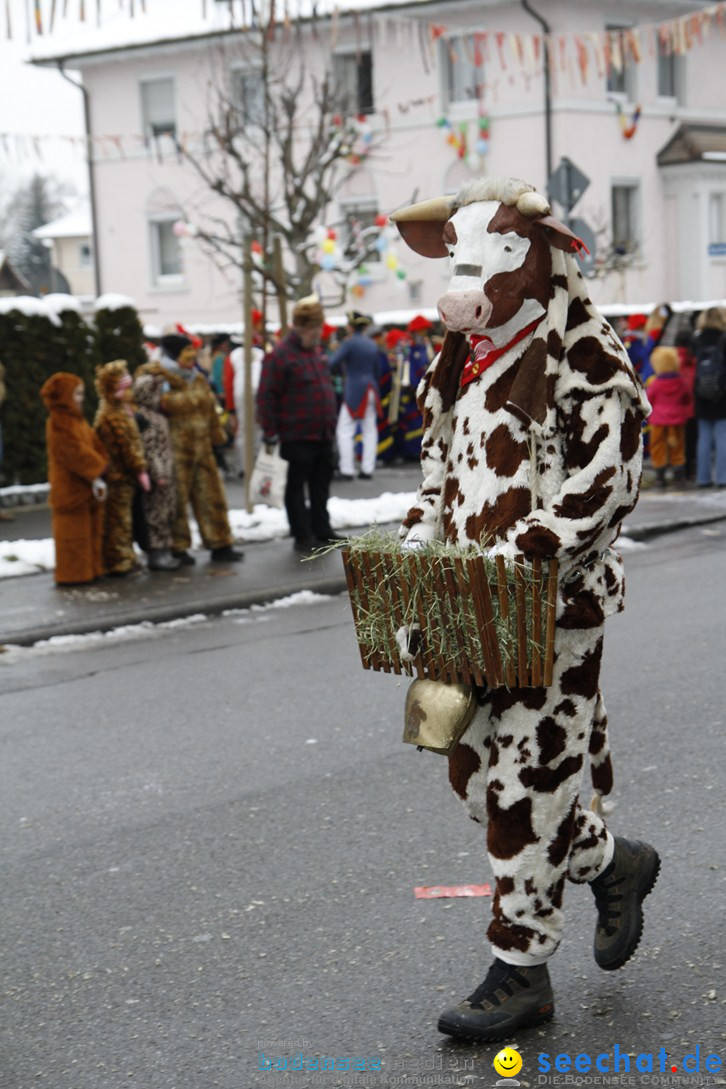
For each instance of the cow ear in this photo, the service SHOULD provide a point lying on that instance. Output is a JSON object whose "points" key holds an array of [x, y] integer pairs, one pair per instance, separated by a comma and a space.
{"points": [[557, 234], [422, 226], [426, 238]]}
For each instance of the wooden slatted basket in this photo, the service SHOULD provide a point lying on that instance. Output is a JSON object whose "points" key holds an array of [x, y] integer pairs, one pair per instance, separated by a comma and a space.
{"points": [[483, 621]]}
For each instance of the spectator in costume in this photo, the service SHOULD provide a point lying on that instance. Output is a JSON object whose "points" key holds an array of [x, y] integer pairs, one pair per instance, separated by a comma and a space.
{"points": [[419, 356], [195, 429], [672, 404], [77, 460], [359, 360], [159, 504], [117, 429], [392, 365]]}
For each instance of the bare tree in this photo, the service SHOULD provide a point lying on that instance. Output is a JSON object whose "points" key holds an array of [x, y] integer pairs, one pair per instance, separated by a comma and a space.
{"points": [[31, 205], [280, 143]]}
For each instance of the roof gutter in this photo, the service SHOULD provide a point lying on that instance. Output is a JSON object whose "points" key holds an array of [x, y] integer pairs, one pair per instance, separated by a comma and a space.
{"points": [[91, 176]]}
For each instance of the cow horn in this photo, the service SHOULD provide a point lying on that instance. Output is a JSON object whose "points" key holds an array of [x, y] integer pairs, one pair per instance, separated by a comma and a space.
{"points": [[533, 204], [436, 210]]}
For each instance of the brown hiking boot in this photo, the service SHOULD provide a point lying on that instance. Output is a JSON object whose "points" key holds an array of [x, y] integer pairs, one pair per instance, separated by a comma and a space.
{"points": [[510, 998], [619, 893]]}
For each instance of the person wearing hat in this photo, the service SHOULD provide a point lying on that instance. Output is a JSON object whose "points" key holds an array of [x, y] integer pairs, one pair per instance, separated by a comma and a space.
{"points": [[358, 358], [296, 407], [195, 430]]}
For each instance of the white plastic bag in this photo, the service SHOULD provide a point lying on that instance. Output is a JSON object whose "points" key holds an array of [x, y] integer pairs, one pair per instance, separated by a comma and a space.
{"points": [[269, 478]]}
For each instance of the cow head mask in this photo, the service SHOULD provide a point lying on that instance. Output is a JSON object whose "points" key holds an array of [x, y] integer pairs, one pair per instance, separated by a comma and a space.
{"points": [[499, 234]]}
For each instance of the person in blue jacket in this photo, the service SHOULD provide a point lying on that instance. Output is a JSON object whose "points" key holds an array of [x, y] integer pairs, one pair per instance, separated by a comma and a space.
{"points": [[358, 358]]}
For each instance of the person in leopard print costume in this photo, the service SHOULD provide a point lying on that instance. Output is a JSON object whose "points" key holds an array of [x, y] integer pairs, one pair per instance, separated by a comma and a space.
{"points": [[532, 446]]}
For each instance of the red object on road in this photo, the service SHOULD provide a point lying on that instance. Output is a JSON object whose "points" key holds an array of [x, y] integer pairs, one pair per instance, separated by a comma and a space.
{"points": [[435, 892]]}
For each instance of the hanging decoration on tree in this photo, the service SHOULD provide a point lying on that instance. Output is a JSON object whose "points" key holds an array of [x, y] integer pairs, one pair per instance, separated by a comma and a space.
{"points": [[628, 128], [334, 256], [358, 135], [457, 138]]}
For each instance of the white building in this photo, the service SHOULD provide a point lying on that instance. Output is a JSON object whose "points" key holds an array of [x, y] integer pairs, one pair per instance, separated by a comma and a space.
{"points": [[69, 239], [637, 103]]}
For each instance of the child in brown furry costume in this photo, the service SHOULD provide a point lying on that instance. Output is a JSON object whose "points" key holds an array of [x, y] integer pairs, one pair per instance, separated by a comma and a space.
{"points": [[76, 460], [116, 427]]}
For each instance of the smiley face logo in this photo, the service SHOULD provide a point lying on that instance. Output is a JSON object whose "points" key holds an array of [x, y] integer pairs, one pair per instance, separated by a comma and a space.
{"points": [[508, 1062]]}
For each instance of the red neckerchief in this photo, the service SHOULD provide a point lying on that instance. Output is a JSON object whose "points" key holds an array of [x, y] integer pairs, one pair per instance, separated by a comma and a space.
{"points": [[482, 357]]}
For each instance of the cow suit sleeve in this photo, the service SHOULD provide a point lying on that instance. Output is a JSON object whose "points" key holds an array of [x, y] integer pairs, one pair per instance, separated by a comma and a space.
{"points": [[603, 459]]}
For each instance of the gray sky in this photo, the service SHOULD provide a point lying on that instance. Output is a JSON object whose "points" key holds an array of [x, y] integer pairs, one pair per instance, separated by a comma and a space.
{"points": [[36, 103]]}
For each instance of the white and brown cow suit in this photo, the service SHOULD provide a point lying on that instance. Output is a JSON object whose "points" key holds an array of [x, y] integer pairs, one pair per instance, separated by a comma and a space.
{"points": [[532, 418]]}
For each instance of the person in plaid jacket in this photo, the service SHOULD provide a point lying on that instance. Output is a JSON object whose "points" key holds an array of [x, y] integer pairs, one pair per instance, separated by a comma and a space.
{"points": [[296, 407]]}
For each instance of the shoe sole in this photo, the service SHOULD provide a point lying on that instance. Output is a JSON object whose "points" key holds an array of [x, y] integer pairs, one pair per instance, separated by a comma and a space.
{"points": [[450, 1026], [647, 883]]}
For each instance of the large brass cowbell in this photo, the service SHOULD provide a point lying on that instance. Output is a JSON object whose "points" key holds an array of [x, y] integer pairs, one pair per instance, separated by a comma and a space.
{"points": [[437, 714]]}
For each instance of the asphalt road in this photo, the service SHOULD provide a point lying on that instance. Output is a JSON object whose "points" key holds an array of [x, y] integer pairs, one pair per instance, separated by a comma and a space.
{"points": [[211, 838]]}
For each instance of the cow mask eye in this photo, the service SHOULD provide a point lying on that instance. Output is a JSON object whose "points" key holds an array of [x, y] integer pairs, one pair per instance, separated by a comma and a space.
{"points": [[507, 249]]}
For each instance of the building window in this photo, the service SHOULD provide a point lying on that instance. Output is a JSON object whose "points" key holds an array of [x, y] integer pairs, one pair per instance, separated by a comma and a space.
{"points": [[248, 95], [166, 256], [353, 82], [624, 207], [717, 219], [669, 72], [621, 79], [462, 68], [359, 227], [157, 108], [84, 255]]}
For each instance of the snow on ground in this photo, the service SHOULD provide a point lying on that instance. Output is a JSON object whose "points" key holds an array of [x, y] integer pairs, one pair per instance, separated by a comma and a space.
{"points": [[148, 630], [301, 597], [26, 557], [263, 524]]}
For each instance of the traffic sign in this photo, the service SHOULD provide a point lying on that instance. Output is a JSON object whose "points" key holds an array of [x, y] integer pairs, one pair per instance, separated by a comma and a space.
{"points": [[584, 231], [567, 184]]}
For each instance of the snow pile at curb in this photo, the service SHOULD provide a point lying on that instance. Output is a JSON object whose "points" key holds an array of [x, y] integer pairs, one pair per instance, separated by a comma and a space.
{"points": [[25, 557]]}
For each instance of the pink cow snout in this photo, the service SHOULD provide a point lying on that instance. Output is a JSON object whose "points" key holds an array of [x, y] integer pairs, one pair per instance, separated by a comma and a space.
{"points": [[464, 311]]}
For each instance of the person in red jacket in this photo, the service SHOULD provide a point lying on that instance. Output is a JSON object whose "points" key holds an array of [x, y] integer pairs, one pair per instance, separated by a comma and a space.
{"points": [[672, 404]]}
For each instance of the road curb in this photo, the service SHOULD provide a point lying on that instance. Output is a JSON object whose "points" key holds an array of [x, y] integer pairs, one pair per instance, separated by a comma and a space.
{"points": [[159, 614], [265, 595], [658, 529]]}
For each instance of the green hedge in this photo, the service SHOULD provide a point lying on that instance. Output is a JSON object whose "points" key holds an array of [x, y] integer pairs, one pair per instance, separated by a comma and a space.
{"points": [[32, 347]]}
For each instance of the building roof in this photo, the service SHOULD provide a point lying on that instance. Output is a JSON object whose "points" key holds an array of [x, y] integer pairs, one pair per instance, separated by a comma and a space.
{"points": [[155, 28], [74, 224], [694, 143]]}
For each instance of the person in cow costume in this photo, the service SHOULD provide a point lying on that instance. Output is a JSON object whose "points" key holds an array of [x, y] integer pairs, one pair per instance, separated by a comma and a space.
{"points": [[532, 445]]}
